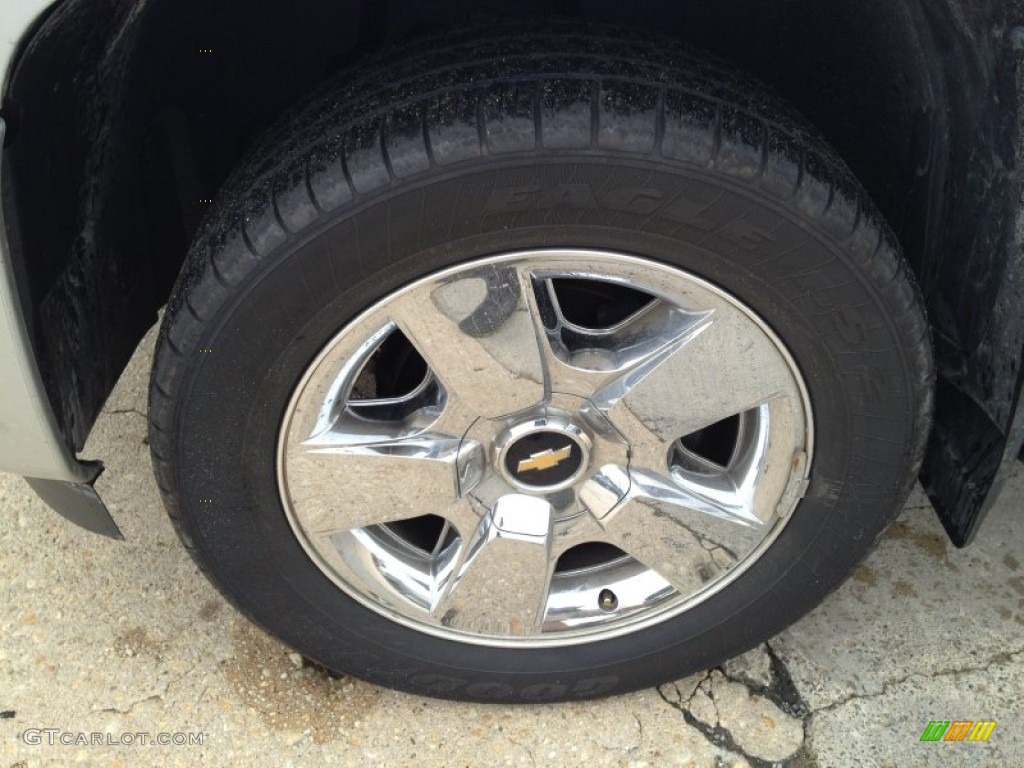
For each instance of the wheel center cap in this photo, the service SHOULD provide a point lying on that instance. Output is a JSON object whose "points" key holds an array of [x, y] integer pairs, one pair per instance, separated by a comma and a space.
{"points": [[544, 454], [544, 459], [564, 452]]}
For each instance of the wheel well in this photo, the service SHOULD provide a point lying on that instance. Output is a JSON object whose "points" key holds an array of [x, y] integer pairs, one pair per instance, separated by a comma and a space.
{"points": [[124, 119]]}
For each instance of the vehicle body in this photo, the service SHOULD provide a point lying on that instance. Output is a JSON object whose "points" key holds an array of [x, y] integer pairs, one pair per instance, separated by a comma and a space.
{"points": [[121, 120]]}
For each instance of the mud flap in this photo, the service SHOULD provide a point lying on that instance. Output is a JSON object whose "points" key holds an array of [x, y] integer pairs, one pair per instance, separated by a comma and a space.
{"points": [[79, 503]]}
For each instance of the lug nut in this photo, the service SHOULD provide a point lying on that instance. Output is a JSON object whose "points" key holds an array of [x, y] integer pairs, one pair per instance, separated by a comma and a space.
{"points": [[607, 600]]}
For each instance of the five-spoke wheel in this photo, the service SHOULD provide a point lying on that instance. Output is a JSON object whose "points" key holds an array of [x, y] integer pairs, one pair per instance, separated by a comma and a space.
{"points": [[569, 444]]}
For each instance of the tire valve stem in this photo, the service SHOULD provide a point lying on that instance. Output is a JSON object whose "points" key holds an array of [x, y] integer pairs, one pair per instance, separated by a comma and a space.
{"points": [[607, 600]]}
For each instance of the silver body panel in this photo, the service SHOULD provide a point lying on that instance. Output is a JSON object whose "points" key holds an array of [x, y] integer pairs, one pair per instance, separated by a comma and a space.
{"points": [[30, 442]]}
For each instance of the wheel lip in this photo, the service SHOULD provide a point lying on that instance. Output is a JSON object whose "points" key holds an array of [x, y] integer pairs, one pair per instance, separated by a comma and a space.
{"points": [[792, 494]]}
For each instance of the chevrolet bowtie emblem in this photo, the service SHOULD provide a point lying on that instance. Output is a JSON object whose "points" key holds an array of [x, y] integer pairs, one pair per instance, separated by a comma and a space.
{"points": [[545, 459]]}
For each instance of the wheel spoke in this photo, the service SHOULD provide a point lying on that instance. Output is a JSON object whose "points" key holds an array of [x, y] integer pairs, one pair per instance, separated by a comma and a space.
{"points": [[686, 536], [477, 335], [719, 368], [583, 360], [500, 583], [343, 487]]}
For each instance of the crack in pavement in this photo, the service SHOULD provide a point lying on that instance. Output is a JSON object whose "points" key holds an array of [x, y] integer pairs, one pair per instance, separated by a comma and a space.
{"points": [[716, 735], [780, 691], [888, 685], [783, 693], [916, 508], [526, 747], [123, 411], [640, 740], [128, 710], [151, 697]]}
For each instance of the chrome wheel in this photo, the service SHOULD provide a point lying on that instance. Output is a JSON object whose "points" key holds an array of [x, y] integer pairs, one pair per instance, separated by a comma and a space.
{"points": [[545, 448]]}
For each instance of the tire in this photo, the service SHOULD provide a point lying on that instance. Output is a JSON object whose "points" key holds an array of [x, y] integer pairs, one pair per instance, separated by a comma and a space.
{"points": [[532, 150]]}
